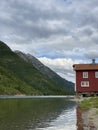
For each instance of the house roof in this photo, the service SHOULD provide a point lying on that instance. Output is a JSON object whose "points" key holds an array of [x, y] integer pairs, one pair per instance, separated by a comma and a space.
{"points": [[85, 67]]}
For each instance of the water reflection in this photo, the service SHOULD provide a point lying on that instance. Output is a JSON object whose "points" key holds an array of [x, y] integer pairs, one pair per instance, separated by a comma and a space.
{"points": [[37, 114], [79, 118], [80, 123]]}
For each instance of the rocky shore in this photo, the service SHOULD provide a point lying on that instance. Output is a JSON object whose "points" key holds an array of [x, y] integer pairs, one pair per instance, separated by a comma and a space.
{"points": [[90, 119], [87, 119]]}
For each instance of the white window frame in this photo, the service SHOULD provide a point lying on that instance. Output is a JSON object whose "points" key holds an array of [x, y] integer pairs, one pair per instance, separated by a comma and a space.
{"points": [[84, 83], [85, 74], [96, 74]]}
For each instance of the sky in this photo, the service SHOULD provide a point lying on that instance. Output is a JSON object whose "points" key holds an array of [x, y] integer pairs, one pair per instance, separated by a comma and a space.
{"points": [[59, 33]]}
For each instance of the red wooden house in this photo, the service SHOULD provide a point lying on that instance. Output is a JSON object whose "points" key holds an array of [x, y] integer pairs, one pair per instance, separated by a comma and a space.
{"points": [[86, 79]]}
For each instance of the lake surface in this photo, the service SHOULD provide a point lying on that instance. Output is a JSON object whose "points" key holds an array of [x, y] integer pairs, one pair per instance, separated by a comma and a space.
{"points": [[37, 113]]}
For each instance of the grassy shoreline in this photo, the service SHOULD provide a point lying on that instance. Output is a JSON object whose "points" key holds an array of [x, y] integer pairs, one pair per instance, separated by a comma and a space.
{"points": [[89, 103]]}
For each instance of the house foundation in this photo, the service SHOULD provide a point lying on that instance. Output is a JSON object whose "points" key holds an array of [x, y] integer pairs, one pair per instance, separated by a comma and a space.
{"points": [[86, 94]]}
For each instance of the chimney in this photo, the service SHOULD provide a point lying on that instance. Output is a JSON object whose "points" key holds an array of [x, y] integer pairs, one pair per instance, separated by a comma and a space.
{"points": [[93, 61]]}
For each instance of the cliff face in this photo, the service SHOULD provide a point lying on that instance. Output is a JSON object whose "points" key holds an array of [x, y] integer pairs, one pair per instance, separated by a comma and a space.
{"points": [[67, 85]]}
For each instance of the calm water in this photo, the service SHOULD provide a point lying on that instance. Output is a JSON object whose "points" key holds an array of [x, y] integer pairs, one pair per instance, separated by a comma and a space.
{"points": [[37, 114]]}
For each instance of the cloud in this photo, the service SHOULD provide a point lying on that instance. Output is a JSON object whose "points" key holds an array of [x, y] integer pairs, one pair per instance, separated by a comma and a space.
{"points": [[61, 66], [92, 54], [54, 29]]}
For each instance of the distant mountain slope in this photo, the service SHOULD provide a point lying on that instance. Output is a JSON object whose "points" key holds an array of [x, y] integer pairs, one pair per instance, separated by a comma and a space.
{"points": [[15, 70], [68, 86]]}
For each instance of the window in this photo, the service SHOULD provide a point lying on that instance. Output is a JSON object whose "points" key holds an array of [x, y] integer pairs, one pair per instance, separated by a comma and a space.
{"points": [[84, 83], [96, 74], [85, 74]]}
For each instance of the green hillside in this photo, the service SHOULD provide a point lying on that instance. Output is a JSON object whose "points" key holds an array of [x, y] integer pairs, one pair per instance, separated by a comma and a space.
{"points": [[20, 77], [63, 83], [10, 85]]}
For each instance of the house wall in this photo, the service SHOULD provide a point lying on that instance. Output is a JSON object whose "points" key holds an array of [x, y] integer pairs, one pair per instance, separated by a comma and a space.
{"points": [[93, 82]]}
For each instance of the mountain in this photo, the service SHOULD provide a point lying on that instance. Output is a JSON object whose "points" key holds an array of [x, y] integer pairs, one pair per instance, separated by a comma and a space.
{"points": [[17, 76], [67, 85], [11, 85]]}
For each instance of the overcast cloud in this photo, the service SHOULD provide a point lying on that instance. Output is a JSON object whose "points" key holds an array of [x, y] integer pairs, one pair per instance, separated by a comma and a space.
{"points": [[58, 32]]}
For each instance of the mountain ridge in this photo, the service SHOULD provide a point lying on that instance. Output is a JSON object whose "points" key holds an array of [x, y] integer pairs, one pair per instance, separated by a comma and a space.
{"points": [[29, 80], [45, 70]]}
